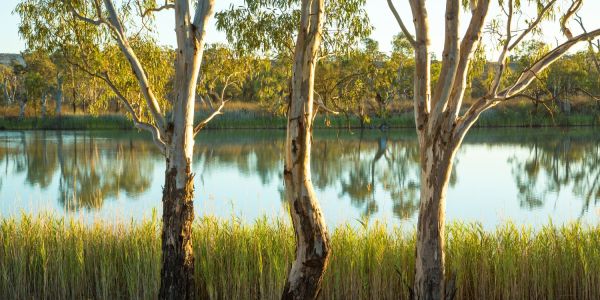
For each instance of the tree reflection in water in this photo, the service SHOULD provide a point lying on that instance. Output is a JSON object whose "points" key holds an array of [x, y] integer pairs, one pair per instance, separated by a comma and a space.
{"points": [[365, 170], [555, 164], [91, 169]]}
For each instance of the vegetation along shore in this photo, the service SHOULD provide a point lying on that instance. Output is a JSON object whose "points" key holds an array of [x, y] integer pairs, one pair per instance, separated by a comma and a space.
{"points": [[245, 116], [52, 258]]}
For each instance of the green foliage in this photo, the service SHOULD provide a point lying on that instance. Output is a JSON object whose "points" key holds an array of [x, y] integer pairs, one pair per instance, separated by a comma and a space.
{"points": [[53, 27], [224, 72], [269, 26], [39, 78]]}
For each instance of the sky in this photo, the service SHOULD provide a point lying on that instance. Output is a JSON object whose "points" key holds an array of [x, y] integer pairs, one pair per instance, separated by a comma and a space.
{"points": [[385, 26]]}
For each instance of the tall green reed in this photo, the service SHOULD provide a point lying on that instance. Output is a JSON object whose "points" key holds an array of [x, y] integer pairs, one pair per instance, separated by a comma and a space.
{"points": [[53, 258]]}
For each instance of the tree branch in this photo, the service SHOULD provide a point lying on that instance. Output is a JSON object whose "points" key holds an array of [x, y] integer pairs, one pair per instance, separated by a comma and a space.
{"points": [[80, 17], [204, 10], [526, 77], [590, 45], [450, 62], [157, 9], [156, 135], [119, 33], [468, 47], [407, 33], [532, 25], [205, 122], [575, 6], [422, 88], [530, 73]]}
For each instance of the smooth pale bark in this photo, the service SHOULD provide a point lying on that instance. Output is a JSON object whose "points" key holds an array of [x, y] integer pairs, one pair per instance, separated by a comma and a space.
{"points": [[440, 125], [43, 103], [177, 272], [58, 96], [5, 91], [436, 165], [312, 240]]}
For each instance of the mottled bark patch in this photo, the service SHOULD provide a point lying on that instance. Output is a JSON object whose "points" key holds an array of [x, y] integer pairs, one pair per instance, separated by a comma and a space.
{"points": [[177, 273]]}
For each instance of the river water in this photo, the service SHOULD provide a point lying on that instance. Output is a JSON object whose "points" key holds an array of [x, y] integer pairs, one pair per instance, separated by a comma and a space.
{"points": [[527, 176]]}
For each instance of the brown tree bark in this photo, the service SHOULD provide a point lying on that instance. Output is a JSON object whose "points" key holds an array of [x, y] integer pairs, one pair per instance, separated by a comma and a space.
{"points": [[177, 273], [312, 240]]}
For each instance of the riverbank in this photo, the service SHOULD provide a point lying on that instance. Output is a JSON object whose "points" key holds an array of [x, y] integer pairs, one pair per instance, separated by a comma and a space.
{"points": [[254, 119], [49, 258]]}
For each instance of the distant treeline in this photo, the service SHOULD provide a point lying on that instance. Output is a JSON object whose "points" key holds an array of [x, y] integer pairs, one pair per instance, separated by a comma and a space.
{"points": [[364, 87]]}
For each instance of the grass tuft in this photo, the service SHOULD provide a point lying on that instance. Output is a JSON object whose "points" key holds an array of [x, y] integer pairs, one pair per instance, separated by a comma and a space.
{"points": [[52, 258]]}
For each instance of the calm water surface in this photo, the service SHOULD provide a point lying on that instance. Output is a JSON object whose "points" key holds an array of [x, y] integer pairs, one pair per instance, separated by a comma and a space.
{"points": [[528, 176]]}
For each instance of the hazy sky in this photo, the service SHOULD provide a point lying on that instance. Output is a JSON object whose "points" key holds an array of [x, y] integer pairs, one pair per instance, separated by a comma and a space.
{"points": [[378, 11]]}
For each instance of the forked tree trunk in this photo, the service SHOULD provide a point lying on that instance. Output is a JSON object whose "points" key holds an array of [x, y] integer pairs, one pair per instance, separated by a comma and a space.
{"points": [[177, 272], [436, 166], [312, 240], [58, 96], [442, 125]]}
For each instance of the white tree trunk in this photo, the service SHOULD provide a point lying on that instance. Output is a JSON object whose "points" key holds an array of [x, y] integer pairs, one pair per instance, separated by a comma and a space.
{"points": [[43, 105], [312, 240], [5, 91], [441, 125], [58, 96], [436, 166], [177, 273]]}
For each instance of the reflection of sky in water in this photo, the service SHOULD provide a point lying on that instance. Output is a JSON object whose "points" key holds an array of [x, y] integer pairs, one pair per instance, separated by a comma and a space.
{"points": [[527, 176]]}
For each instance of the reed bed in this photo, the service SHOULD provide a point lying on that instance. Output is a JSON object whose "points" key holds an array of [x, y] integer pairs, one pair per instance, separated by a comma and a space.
{"points": [[239, 115], [44, 257]]}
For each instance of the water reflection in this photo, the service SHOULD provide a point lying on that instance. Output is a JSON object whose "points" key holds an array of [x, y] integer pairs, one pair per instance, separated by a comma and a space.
{"points": [[90, 169], [365, 175], [570, 162]]}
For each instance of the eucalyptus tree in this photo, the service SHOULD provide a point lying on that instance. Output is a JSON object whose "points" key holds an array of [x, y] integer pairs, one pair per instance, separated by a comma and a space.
{"points": [[60, 64], [312, 240], [565, 79], [441, 124], [524, 56], [223, 72], [264, 26], [84, 29], [38, 79], [9, 81], [15, 87]]}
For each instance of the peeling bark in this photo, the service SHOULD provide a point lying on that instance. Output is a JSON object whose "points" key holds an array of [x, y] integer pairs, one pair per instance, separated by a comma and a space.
{"points": [[440, 125], [436, 166], [312, 240], [177, 273]]}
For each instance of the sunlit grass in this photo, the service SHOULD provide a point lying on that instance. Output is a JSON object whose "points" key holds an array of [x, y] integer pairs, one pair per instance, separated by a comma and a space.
{"points": [[52, 258]]}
